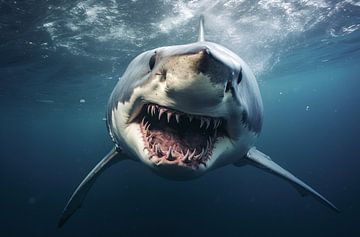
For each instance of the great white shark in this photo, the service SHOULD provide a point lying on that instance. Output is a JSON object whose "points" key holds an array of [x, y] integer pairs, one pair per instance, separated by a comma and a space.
{"points": [[185, 110]]}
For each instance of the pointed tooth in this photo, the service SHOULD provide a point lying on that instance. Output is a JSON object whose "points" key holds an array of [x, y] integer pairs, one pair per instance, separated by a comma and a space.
{"points": [[142, 121], [200, 154], [192, 154], [186, 155], [190, 118], [147, 125], [201, 122], [157, 150], [214, 123], [218, 123], [169, 153], [177, 116], [207, 123], [153, 110], [161, 111], [159, 162], [169, 114], [148, 109]]}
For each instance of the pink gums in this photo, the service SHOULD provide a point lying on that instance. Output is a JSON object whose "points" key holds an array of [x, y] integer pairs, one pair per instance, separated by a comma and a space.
{"points": [[173, 137]]}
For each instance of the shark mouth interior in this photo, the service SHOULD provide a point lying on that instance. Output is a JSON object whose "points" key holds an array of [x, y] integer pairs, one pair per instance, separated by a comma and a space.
{"points": [[174, 137]]}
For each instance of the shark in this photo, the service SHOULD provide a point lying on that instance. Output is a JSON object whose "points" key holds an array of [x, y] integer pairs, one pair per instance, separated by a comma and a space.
{"points": [[183, 111]]}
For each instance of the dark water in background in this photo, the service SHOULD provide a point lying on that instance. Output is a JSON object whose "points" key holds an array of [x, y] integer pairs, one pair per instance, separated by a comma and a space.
{"points": [[59, 61]]}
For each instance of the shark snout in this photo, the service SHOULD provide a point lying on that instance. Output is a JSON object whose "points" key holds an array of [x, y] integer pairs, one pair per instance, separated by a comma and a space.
{"points": [[200, 79], [219, 72]]}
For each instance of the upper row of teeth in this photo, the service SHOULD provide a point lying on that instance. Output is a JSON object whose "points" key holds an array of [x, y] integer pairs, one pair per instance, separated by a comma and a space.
{"points": [[204, 121]]}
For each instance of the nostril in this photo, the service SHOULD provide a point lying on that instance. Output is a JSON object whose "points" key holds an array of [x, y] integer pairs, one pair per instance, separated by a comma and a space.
{"points": [[163, 75]]}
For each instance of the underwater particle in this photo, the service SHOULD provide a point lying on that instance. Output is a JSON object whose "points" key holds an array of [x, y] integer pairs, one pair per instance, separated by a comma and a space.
{"points": [[45, 101], [103, 119], [307, 108], [82, 100], [280, 93]]}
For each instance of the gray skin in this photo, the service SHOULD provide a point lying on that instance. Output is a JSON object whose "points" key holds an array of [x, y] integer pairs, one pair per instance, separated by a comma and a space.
{"points": [[198, 79]]}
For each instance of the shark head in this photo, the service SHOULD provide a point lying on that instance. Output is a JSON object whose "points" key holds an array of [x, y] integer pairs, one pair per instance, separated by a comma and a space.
{"points": [[186, 109]]}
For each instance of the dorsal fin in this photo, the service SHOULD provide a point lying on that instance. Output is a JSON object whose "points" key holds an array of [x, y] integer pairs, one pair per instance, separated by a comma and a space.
{"points": [[201, 29]]}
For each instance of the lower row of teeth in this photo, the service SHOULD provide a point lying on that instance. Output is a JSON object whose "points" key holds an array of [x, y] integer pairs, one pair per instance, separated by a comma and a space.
{"points": [[170, 155]]}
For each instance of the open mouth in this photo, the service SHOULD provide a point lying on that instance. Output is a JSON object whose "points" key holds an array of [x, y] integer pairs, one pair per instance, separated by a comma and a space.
{"points": [[174, 137]]}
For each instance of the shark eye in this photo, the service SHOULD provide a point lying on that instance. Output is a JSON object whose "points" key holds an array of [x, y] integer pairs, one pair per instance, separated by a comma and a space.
{"points": [[152, 61], [239, 77]]}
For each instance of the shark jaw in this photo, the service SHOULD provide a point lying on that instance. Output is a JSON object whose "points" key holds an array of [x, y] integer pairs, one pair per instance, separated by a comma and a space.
{"points": [[175, 138]]}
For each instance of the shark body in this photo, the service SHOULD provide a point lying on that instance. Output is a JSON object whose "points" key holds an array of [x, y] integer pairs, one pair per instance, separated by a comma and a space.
{"points": [[183, 111]]}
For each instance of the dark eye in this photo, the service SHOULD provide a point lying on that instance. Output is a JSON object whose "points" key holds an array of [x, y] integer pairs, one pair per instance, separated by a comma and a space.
{"points": [[152, 62], [239, 77]]}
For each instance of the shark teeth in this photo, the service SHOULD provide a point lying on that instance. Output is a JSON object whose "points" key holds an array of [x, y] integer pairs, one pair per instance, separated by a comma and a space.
{"points": [[189, 156], [185, 157], [205, 122], [177, 116], [161, 111], [169, 114]]}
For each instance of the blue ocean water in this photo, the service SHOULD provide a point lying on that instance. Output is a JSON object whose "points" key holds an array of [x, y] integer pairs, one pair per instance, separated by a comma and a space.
{"points": [[59, 61]]}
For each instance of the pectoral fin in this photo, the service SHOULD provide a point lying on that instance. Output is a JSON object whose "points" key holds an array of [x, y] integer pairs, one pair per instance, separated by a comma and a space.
{"points": [[81, 191], [260, 160]]}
